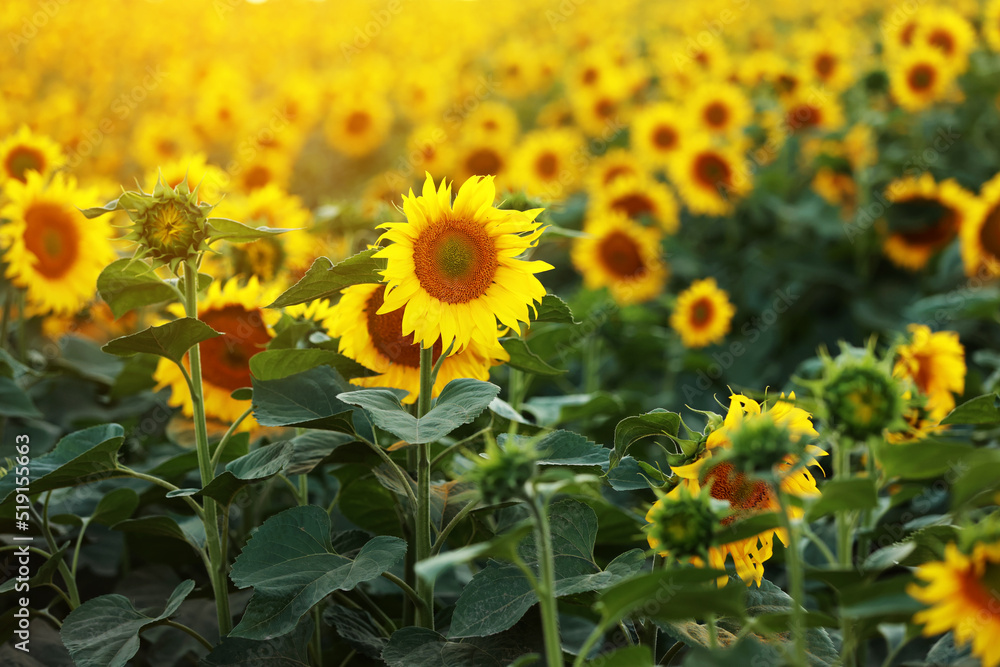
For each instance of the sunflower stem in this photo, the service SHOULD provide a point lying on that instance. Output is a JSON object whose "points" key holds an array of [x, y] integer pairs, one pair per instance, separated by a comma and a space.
{"points": [[545, 586], [796, 580], [844, 544], [422, 527], [217, 560]]}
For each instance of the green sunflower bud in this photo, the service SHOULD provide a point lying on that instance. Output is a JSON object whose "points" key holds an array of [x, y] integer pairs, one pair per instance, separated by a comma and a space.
{"points": [[682, 524], [502, 473], [760, 443], [862, 398]]}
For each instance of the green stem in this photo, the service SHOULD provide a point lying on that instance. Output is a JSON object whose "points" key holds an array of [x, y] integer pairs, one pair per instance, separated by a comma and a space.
{"points": [[844, 544], [831, 559], [192, 503], [407, 589], [191, 631], [443, 536], [76, 549], [546, 584], [217, 560], [220, 448], [5, 318], [672, 653], [422, 523], [713, 632], [796, 581], [317, 640]]}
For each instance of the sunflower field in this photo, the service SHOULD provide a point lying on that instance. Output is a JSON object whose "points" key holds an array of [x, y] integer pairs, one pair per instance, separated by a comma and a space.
{"points": [[413, 333]]}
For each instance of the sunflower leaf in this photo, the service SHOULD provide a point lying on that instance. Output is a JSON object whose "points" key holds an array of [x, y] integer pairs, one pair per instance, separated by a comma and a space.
{"points": [[224, 229], [257, 466], [171, 340], [324, 279], [630, 430], [980, 410], [523, 359], [277, 364], [308, 399], [128, 284], [554, 309]]}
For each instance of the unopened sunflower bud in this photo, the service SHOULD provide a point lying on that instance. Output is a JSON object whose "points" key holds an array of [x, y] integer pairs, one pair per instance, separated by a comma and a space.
{"points": [[501, 474], [760, 444], [682, 524]]}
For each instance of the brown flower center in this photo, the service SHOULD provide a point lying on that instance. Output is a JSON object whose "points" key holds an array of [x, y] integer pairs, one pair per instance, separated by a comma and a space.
{"points": [[620, 255], [358, 122], [712, 171], [803, 117], [664, 137], [22, 160], [747, 497], [989, 235], [943, 40], [547, 166], [634, 204], [257, 176], [225, 361], [824, 65], [52, 237], [455, 260], [921, 77], [484, 162], [386, 332], [716, 114], [702, 311]]}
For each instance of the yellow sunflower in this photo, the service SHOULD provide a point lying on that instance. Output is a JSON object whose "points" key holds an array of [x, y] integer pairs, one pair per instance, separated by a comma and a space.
{"points": [[376, 342], [428, 149], [24, 152], [599, 112], [639, 197], [810, 110], [160, 137], [236, 312], [478, 156], [493, 121], [980, 232], [920, 77], [991, 24], [51, 250], [746, 496], [718, 108], [913, 248], [710, 178], [358, 124], [950, 33], [962, 593], [703, 314], [549, 163], [454, 267], [614, 164], [837, 188], [621, 255], [827, 55], [657, 133], [935, 363]]}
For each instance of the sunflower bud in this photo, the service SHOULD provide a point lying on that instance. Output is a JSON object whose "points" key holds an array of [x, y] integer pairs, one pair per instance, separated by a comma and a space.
{"points": [[502, 473], [682, 524], [760, 443], [861, 397]]}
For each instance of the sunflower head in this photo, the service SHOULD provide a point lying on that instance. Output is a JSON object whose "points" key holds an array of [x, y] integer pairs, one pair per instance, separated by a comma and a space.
{"points": [[682, 523], [761, 443], [501, 473], [861, 397]]}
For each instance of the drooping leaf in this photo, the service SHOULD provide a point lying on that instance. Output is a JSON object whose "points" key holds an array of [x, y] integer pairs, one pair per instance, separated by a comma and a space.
{"points": [[324, 279], [310, 448], [982, 410], [128, 283], [566, 448], [308, 399], [357, 628], [630, 430], [277, 364], [188, 529], [171, 340], [224, 229], [258, 465], [522, 358]]}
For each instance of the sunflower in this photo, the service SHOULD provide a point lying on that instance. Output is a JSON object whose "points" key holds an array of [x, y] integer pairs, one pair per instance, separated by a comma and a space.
{"points": [[160, 137], [837, 188], [358, 124], [747, 496], [376, 342], [237, 313], [703, 314], [718, 108], [599, 112], [920, 77], [948, 205], [454, 267], [962, 592], [478, 156], [493, 121], [428, 149], [24, 152], [640, 198], [615, 164], [51, 250], [935, 363], [811, 110], [209, 179], [991, 24], [656, 133], [827, 55], [980, 232], [708, 177], [548, 163], [621, 255], [947, 31]]}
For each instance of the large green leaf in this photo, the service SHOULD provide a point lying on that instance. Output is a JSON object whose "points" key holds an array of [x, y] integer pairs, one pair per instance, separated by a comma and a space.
{"points": [[277, 364], [14, 402], [522, 358], [922, 459], [631, 430], [224, 229], [258, 465], [460, 402], [554, 309], [565, 448], [104, 631], [983, 410], [324, 279], [844, 494], [290, 563], [677, 593], [499, 595], [130, 283], [291, 650], [311, 448], [308, 399], [171, 340], [357, 628], [188, 529], [420, 647], [79, 458], [554, 410]]}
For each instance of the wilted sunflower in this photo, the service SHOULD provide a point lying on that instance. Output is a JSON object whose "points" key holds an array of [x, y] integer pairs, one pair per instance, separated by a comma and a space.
{"points": [[236, 312], [942, 209], [703, 314], [980, 233], [935, 363], [454, 267], [657, 133], [962, 592], [621, 255], [25, 152], [921, 77], [359, 123], [51, 250], [377, 343], [709, 178], [748, 496], [642, 198], [548, 163]]}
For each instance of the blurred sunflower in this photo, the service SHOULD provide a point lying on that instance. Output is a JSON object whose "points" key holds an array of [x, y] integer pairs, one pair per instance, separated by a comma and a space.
{"points": [[599, 112], [941, 208], [935, 363], [837, 188], [810, 110], [640, 198], [548, 163], [947, 31], [480, 157], [51, 250], [614, 164], [920, 77], [454, 267], [980, 232], [25, 152], [209, 179], [383, 191], [161, 137], [657, 133], [493, 121], [702, 314], [621, 255], [991, 24], [377, 343], [961, 592], [709, 178], [747, 496], [237, 313], [827, 55], [429, 150], [358, 123], [718, 108]]}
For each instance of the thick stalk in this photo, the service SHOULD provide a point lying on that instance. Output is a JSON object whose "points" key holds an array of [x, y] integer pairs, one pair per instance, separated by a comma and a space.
{"points": [[422, 523], [217, 559], [844, 544], [796, 580], [546, 585]]}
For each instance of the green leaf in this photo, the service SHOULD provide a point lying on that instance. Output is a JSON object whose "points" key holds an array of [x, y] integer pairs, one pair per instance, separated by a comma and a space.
{"points": [[171, 340], [502, 546], [460, 402], [553, 410], [525, 360], [420, 647], [632, 656], [79, 458], [628, 475], [224, 229], [922, 459], [672, 594], [277, 364], [885, 600], [554, 309], [631, 430], [129, 283], [290, 564], [983, 410], [104, 631], [945, 652], [257, 466], [188, 529], [42, 576], [844, 494], [291, 650], [311, 448], [565, 448], [889, 556], [14, 402], [357, 628], [324, 279], [308, 399]]}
